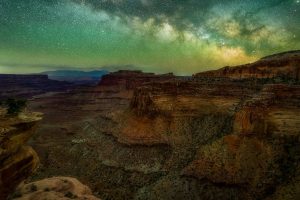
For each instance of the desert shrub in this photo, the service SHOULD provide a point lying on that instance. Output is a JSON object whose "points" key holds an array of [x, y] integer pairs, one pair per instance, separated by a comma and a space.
{"points": [[16, 194], [33, 188], [15, 106], [70, 195]]}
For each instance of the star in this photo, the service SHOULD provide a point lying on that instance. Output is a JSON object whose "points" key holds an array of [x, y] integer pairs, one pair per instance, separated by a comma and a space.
{"points": [[150, 33]]}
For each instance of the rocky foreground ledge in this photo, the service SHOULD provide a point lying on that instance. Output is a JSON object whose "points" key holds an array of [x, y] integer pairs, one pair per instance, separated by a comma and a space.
{"points": [[18, 161], [61, 188]]}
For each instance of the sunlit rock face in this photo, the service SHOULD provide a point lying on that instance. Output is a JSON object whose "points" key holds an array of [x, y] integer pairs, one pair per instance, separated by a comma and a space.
{"points": [[162, 112], [282, 66], [263, 149], [18, 161], [274, 111]]}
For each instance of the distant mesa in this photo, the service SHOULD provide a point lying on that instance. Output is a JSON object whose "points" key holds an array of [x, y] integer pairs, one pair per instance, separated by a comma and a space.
{"points": [[76, 76], [131, 79], [26, 86]]}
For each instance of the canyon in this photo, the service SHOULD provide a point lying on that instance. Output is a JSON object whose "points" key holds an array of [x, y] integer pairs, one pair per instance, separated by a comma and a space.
{"points": [[232, 133]]}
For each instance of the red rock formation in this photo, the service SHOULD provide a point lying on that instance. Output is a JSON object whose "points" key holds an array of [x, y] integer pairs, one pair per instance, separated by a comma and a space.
{"points": [[129, 80], [274, 110], [159, 108], [178, 97], [17, 161], [285, 65], [234, 160], [263, 127]]}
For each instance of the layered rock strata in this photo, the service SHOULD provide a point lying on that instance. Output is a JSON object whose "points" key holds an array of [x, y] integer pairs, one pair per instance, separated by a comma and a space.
{"points": [[18, 161], [284, 66], [263, 150]]}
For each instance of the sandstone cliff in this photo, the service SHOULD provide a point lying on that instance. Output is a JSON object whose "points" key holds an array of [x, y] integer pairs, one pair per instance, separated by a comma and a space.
{"points": [[18, 161], [129, 80], [284, 66], [56, 188], [262, 152]]}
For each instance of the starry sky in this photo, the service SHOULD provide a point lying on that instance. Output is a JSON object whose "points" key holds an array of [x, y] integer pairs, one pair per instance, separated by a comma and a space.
{"points": [[181, 36]]}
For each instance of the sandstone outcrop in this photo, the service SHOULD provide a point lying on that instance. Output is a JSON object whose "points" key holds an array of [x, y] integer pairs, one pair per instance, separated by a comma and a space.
{"points": [[159, 110], [18, 161], [129, 80], [56, 188], [263, 150]]}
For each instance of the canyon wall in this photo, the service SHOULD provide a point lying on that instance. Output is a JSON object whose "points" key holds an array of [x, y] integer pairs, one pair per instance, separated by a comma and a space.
{"points": [[130, 80], [283, 66], [262, 152], [18, 161]]}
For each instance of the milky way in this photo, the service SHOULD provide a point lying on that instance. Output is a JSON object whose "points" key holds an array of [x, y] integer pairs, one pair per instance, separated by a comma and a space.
{"points": [[153, 35]]}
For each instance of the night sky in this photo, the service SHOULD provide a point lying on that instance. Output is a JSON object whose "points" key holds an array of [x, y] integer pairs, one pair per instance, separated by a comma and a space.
{"points": [[181, 36]]}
